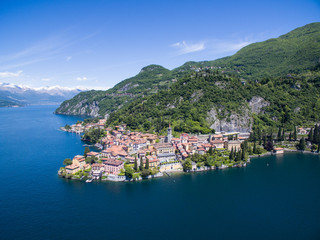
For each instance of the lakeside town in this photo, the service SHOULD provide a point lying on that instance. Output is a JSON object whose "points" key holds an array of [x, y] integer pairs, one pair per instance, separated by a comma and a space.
{"points": [[127, 155]]}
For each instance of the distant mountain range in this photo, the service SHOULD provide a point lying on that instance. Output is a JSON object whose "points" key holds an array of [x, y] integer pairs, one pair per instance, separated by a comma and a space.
{"points": [[16, 95]]}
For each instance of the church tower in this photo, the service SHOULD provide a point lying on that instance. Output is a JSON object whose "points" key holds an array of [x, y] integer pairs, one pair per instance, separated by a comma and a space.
{"points": [[169, 134]]}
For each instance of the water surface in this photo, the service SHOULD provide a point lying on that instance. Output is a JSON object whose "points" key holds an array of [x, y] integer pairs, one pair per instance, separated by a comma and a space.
{"points": [[279, 201]]}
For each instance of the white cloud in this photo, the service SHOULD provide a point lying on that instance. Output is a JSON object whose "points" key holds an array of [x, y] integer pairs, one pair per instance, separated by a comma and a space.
{"points": [[68, 58], [185, 48], [45, 79], [10, 74], [228, 46], [81, 78]]}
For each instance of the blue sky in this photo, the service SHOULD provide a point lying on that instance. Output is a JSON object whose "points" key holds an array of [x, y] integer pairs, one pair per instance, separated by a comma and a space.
{"points": [[96, 44]]}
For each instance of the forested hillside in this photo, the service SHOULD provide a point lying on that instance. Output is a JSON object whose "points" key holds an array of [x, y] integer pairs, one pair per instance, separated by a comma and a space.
{"points": [[271, 83]]}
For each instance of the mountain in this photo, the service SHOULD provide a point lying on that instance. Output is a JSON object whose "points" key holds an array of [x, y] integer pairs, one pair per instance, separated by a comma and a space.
{"points": [[294, 52], [149, 80], [269, 83], [16, 95]]}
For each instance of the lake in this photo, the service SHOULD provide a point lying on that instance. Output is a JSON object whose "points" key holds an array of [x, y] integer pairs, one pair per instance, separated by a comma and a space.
{"points": [[279, 201]]}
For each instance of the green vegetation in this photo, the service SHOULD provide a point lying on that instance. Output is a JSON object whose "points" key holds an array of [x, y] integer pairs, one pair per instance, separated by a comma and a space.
{"points": [[93, 135], [67, 161], [284, 72]]}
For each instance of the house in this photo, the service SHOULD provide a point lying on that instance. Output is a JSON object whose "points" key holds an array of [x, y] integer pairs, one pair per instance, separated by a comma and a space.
{"points": [[72, 169], [278, 151], [113, 166], [217, 143], [153, 161], [79, 160], [93, 154], [165, 152], [302, 131], [217, 137], [233, 144], [97, 169]]}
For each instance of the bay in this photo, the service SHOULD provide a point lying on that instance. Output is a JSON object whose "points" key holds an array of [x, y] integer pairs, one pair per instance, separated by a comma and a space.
{"points": [[274, 197]]}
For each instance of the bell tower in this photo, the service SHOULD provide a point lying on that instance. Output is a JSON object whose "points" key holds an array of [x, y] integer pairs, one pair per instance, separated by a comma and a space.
{"points": [[169, 134]]}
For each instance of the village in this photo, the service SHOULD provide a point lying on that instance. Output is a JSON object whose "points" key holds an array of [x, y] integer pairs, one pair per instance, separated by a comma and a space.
{"points": [[122, 149], [127, 155]]}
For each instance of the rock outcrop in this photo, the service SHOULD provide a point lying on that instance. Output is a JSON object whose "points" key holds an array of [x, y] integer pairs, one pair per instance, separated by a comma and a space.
{"points": [[233, 123]]}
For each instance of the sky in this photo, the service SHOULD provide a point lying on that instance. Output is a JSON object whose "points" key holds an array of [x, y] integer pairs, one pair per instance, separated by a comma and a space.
{"points": [[96, 44]]}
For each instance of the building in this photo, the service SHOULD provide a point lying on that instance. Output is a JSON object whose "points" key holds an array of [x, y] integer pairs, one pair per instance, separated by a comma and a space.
{"points": [[278, 151], [169, 135], [113, 166], [233, 144], [153, 162], [218, 143], [97, 169], [93, 154], [165, 152], [79, 160], [72, 169]]}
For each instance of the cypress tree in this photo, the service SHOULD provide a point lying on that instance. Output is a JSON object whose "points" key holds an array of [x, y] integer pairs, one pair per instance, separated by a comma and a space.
{"points": [[279, 134], [318, 148], [243, 154], [231, 154], [141, 164], [310, 135], [135, 164], [147, 163], [290, 137], [283, 135], [86, 151], [315, 134], [295, 133], [302, 144], [210, 151], [254, 148]]}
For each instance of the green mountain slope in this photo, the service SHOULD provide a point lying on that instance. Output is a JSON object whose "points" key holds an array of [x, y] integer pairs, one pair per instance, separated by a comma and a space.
{"points": [[209, 100], [150, 80], [248, 74], [294, 52]]}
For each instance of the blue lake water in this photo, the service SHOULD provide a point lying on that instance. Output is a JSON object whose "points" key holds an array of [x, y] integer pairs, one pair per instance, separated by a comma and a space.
{"points": [[279, 201]]}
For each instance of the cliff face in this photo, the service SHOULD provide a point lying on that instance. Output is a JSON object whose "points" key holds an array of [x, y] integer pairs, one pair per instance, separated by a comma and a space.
{"points": [[237, 122], [234, 122], [83, 108]]}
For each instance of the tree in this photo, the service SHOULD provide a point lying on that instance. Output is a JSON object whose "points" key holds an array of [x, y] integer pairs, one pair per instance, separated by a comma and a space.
{"points": [[310, 135], [67, 127], [129, 171], [279, 135], [231, 154], [187, 165], [91, 159], [67, 161], [135, 164], [210, 151], [283, 135], [315, 134], [141, 164], [254, 148], [147, 163], [145, 173], [302, 144], [290, 136], [86, 151], [243, 154], [269, 146], [295, 133]]}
